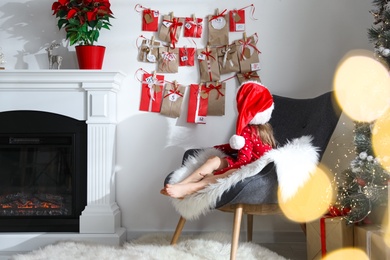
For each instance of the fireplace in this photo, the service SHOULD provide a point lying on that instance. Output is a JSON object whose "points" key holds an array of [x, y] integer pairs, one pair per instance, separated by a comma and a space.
{"points": [[43, 176], [75, 150]]}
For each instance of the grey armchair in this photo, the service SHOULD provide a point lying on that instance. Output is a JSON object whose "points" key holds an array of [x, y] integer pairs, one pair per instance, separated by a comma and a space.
{"points": [[257, 195]]}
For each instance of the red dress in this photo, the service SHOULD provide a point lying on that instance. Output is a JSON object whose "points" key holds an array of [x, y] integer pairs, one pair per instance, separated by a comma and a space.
{"points": [[253, 149]]}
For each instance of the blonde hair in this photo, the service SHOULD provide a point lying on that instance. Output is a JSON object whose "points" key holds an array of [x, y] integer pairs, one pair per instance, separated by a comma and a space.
{"points": [[266, 133]]}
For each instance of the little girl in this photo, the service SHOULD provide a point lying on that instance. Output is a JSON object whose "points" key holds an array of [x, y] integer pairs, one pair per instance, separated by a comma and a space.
{"points": [[253, 138]]}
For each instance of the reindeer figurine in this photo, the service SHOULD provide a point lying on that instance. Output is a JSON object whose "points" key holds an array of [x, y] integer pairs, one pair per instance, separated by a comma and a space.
{"points": [[53, 58]]}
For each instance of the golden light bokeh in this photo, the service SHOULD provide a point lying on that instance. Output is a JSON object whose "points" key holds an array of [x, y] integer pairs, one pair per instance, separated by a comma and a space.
{"points": [[381, 139], [312, 200], [347, 253], [362, 86]]}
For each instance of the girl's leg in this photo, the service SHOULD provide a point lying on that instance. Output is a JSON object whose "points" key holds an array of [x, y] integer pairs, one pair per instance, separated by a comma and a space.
{"points": [[212, 164], [180, 190]]}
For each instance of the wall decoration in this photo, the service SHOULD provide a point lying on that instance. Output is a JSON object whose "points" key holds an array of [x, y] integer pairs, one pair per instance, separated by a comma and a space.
{"points": [[208, 64], [186, 56], [193, 27], [149, 18], [216, 98], [148, 51], [251, 75], [170, 29], [248, 53], [168, 60], [218, 28], [228, 59], [237, 20], [173, 99], [197, 104], [151, 92]]}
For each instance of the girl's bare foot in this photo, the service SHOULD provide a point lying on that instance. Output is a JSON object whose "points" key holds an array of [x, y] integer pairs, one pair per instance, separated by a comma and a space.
{"points": [[164, 192], [181, 190]]}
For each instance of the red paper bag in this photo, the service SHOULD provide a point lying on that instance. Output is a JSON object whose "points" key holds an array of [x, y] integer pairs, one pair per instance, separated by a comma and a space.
{"points": [[186, 56], [150, 20], [197, 104], [151, 93], [193, 27], [237, 20]]}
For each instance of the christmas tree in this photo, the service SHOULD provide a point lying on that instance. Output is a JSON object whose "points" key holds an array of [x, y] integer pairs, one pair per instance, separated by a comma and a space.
{"points": [[363, 186], [379, 33]]}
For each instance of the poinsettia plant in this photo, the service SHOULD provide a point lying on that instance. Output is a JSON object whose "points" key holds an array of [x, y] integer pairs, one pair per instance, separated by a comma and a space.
{"points": [[82, 19]]}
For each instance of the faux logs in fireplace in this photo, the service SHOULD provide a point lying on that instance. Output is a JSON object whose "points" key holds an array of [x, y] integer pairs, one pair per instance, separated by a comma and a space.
{"points": [[43, 172]]}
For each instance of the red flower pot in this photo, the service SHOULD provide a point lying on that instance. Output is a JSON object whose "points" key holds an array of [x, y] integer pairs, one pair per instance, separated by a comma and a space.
{"points": [[90, 57]]}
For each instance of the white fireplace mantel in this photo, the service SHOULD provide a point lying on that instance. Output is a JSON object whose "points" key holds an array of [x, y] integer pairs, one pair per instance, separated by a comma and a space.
{"points": [[88, 95]]}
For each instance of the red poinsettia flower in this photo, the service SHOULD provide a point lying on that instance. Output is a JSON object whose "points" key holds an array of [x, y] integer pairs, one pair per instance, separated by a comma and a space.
{"points": [[82, 19]]}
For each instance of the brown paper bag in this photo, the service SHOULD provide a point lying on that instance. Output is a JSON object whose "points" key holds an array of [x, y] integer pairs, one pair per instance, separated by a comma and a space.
{"points": [[228, 59], [170, 29], [218, 26], [216, 98], [172, 100], [248, 54], [168, 60], [251, 75], [148, 51], [208, 64]]}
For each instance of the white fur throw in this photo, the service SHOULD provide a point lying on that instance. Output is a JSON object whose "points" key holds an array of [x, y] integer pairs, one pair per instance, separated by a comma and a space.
{"points": [[294, 163]]}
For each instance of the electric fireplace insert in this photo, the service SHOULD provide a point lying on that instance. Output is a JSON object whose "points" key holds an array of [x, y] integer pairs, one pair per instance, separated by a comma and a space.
{"points": [[43, 172]]}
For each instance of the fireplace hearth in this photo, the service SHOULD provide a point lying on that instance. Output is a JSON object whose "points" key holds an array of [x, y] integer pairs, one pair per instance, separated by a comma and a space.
{"points": [[72, 181]]}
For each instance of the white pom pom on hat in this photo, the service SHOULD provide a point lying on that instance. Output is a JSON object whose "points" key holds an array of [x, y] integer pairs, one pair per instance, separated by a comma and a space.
{"points": [[255, 105]]}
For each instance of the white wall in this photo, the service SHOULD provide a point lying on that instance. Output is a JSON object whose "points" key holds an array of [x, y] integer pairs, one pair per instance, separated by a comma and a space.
{"points": [[301, 43]]}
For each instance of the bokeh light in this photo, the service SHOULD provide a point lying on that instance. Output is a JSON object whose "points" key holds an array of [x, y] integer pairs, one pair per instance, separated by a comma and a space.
{"points": [[347, 253], [362, 86], [381, 140], [312, 200]]}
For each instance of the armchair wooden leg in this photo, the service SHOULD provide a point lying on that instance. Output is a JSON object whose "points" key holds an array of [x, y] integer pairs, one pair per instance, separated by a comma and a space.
{"points": [[249, 228], [178, 230], [236, 231]]}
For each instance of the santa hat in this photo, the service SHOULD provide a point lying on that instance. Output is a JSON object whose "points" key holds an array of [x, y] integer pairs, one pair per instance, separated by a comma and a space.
{"points": [[254, 105]]}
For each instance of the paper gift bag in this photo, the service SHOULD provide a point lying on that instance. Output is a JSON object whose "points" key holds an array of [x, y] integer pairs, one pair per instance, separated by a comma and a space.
{"points": [[186, 56], [148, 51], [208, 64], [197, 104], [151, 92], [237, 20], [170, 29], [228, 59], [168, 60], [370, 239], [218, 29], [216, 98], [248, 54], [327, 234], [173, 99], [193, 27], [150, 20], [251, 75]]}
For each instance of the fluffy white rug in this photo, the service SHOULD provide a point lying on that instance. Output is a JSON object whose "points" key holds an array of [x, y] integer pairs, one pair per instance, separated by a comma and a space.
{"points": [[195, 247]]}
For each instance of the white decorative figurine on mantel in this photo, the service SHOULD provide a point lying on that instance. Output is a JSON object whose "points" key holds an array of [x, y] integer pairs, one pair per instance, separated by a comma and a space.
{"points": [[2, 60], [53, 58]]}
